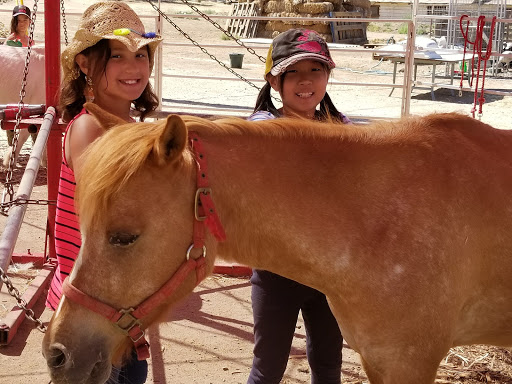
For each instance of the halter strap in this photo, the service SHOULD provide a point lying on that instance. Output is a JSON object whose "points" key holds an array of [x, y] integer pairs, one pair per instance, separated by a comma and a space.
{"points": [[128, 320], [204, 208]]}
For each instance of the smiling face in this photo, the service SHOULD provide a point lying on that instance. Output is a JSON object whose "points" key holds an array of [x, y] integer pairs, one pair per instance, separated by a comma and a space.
{"points": [[302, 87], [22, 25], [126, 75]]}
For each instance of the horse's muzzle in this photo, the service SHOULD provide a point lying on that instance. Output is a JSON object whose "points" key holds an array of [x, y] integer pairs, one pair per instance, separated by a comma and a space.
{"points": [[64, 367]]}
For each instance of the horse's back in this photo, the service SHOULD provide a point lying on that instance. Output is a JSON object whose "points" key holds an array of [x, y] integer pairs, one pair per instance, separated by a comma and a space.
{"points": [[429, 233]]}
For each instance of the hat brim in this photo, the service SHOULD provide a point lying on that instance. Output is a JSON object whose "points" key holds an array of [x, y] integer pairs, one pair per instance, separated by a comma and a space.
{"points": [[279, 68], [21, 13]]}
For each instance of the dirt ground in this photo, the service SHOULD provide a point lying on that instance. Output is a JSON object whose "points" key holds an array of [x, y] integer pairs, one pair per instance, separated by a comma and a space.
{"points": [[208, 339]]}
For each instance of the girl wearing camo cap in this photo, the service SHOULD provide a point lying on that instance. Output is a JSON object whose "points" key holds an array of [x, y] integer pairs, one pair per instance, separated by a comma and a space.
{"points": [[108, 63], [20, 23], [291, 56], [298, 67]]}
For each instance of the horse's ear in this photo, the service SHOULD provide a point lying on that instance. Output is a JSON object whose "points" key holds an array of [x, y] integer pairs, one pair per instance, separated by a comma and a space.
{"points": [[106, 119], [172, 140]]}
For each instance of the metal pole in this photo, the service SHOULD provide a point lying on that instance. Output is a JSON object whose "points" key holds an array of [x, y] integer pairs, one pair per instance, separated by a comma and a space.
{"points": [[17, 212], [52, 69], [408, 70], [158, 66]]}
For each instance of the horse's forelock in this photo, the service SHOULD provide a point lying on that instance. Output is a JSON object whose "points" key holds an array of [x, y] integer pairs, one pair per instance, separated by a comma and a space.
{"points": [[110, 162]]}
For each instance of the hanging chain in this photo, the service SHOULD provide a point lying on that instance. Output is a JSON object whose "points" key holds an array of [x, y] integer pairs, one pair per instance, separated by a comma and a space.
{"points": [[13, 291], [64, 22], [202, 48], [8, 186], [227, 33], [23, 201]]}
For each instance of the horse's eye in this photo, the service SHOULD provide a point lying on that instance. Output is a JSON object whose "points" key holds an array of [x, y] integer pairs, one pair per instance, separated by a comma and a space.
{"points": [[122, 239]]}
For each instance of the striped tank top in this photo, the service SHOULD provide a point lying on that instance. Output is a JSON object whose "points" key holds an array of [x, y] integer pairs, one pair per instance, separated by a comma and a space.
{"points": [[67, 229]]}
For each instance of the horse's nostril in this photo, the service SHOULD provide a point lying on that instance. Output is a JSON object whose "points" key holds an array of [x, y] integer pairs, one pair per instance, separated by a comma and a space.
{"points": [[57, 356]]}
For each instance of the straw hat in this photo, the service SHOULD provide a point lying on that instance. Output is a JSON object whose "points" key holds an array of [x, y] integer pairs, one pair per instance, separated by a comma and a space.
{"points": [[99, 21]]}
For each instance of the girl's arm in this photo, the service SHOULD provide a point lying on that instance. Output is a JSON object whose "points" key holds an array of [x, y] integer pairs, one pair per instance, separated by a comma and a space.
{"points": [[84, 130]]}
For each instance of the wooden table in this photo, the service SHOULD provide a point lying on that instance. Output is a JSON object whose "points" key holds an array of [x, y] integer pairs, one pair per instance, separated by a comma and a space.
{"points": [[451, 60]]}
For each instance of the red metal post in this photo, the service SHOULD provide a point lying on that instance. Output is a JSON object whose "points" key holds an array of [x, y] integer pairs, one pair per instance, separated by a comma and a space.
{"points": [[52, 69]]}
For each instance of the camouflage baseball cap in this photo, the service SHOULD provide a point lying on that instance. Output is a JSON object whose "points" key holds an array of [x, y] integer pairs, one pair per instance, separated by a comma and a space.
{"points": [[21, 10], [295, 45]]}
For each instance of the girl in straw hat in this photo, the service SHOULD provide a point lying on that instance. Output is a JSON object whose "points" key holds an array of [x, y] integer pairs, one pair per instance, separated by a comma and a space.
{"points": [[298, 67], [108, 62]]}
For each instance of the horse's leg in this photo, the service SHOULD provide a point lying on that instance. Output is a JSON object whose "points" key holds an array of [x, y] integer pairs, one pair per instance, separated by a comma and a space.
{"points": [[395, 355], [395, 368], [373, 376], [6, 157], [23, 136]]}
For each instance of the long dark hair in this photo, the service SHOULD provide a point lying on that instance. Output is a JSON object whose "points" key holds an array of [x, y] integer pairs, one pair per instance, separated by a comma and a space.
{"points": [[72, 96], [14, 24], [327, 112]]}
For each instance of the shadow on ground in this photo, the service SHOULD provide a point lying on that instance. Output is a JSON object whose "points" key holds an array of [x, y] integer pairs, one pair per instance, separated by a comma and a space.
{"points": [[452, 96]]}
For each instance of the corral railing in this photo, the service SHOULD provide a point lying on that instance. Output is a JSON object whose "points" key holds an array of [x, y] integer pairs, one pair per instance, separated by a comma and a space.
{"points": [[22, 196], [170, 75], [342, 52]]}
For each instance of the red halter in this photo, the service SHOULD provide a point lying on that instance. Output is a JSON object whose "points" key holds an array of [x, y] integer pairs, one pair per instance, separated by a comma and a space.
{"points": [[128, 320]]}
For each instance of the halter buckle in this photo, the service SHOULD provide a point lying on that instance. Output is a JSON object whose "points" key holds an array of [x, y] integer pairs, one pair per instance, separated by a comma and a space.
{"points": [[127, 321], [197, 202]]}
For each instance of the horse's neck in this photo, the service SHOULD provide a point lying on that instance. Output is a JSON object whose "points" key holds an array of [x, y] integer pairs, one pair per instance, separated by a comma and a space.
{"points": [[263, 189]]}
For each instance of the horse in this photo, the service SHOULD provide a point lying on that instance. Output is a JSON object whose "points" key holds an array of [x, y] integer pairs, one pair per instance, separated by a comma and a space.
{"points": [[12, 62], [404, 225]]}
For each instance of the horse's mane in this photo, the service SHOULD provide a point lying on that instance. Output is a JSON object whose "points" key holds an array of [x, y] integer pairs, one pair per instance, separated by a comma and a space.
{"points": [[408, 130], [283, 127], [123, 150]]}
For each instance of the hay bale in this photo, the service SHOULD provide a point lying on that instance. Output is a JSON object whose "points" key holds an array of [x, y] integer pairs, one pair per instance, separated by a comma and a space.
{"points": [[362, 6], [322, 29], [315, 8], [305, 22], [261, 4], [278, 26], [293, 14], [298, 9], [274, 27], [289, 6], [274, 6]]}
